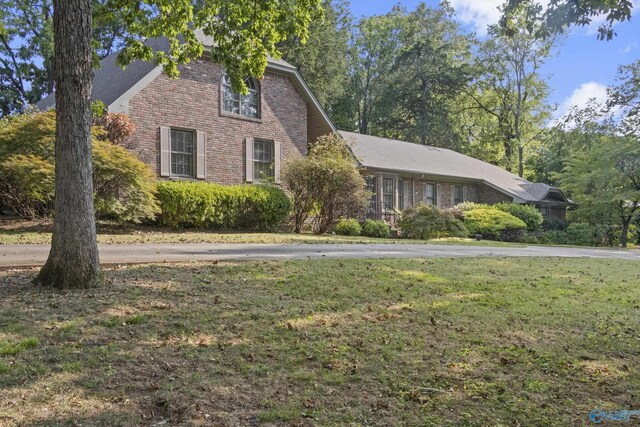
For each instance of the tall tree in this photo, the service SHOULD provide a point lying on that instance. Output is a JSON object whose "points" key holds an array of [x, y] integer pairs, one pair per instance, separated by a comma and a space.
{"points": [[561, 14], [322, 60], [26, 48], [245, 32], [370, 58], [602, 174], [511, 90], [26, 53], [431, 69]]}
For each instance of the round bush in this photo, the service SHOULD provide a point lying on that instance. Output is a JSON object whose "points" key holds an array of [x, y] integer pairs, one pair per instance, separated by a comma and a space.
{"points": [[428, 222], [375, 228], [527, 213], [494, 224], [215, 206], [123, 185], [348, 227]]}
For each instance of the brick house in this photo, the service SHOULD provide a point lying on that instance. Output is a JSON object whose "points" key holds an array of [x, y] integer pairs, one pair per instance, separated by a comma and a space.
{"points": [[196, 127], [401, 174]]}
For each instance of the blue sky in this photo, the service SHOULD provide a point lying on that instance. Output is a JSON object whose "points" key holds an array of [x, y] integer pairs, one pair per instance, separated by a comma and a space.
{"points": [[582, 66]]}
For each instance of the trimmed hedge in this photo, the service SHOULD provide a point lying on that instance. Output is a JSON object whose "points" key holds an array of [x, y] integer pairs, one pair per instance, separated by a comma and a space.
{"points": [[494, 224], [527, 213], [428, 222], [375, 228], [348, 227], [220, 207]]}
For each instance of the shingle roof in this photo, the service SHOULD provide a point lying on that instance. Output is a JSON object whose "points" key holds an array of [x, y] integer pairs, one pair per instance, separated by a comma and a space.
{"points": [[388, 154], [111, 81]]}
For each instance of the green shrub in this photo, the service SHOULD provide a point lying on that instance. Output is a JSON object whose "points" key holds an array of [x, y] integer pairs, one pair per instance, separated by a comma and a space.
{"points": [[554, 224], [27, 185], [375, 228], [214, 206], [494, 224], [325, 185], [123, 185], [428, 222], [530, 215], [348, 227], [577, 234], [469, 206]]}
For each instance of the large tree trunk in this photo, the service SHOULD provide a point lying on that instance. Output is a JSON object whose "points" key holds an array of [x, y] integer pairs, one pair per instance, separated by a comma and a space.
{"points": [[624, 235], [73, 261]]}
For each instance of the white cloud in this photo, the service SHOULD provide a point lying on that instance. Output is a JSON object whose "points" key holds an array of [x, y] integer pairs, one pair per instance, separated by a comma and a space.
{"points": [[478, 14], [481, 13], [628, 48], [582, 95]]}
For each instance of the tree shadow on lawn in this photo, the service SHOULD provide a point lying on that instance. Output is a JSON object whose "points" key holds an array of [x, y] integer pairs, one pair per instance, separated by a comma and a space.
{"points": [[300, 343]]}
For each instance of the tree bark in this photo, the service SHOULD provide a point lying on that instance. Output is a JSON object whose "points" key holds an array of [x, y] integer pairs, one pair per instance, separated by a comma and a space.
{"points": [[624, 235], [73, 261]]}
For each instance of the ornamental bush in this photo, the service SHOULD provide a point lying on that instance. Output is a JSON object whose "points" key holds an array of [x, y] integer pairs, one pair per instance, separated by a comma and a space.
{"points": [[428, 222], [527, 213], [123, 185], [376, 228], [348, 227], [219, 207], [325, 185], [494, 224]]}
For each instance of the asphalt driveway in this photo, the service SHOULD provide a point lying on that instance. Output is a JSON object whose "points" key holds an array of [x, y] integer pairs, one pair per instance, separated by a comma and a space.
{"points": [[35, 255]]}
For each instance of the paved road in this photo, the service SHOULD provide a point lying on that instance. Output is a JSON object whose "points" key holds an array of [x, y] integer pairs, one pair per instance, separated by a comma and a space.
{"points": [[35, 255]]}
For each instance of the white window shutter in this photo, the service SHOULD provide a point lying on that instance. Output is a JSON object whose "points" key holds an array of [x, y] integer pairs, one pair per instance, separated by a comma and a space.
{"points": [[201, 160], [438, 193], [165, 151], [249, 159], [277, 157], [465, 194]]}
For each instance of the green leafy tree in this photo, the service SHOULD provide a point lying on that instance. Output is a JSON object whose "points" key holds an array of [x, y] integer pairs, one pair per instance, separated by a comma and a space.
{"points": [[561, 14], [430, 71], [322, 61], [508, 102], [370, 59], [26, 48], [605, 180], [244, 33]]}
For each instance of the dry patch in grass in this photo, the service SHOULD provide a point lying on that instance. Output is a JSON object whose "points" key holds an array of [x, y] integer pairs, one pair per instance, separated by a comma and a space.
{"points": [[303, 343]]}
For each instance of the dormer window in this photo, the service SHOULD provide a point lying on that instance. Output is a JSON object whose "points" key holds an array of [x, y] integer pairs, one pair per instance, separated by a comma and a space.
{"points": [[244, 105]]}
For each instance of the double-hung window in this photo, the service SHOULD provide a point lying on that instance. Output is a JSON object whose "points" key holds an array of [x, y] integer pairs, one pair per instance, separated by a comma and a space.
{"points": [[388, 190], [262, 160], [430, 193], [370, 185], [458, 194], [182, 159]]}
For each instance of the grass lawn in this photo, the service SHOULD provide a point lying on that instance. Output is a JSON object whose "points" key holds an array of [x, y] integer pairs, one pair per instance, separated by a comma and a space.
{"points": [[34, 232], [474, 342]]}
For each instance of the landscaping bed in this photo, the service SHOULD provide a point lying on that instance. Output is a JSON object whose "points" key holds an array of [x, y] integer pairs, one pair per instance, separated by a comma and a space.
{"points": [[471, 342]]}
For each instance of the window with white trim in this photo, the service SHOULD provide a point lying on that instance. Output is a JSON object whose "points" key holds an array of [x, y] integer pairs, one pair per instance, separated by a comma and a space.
{"points": [[262, 160], [370, 185], [182, 158], [236, 103]]}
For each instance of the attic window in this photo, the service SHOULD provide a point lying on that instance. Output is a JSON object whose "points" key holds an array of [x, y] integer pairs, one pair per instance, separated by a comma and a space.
{"points": [[244, 105]]}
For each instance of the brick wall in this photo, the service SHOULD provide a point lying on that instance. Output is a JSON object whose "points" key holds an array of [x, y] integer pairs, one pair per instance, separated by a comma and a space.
{"points": [[193, 102], [490, 196]]}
